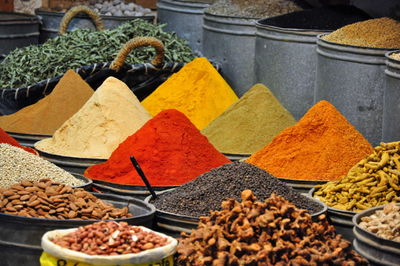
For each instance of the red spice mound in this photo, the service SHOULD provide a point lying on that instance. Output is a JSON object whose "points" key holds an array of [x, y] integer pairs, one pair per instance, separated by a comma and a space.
{"points": [[5, 138], [170, 150], [323, 145]]}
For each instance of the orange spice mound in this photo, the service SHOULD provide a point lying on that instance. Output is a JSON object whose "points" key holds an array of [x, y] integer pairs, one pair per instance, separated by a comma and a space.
{"points": [[323, 145]]}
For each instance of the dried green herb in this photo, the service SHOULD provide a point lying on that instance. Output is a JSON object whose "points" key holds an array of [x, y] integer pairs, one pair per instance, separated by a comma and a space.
{"points": [[29, 65]]}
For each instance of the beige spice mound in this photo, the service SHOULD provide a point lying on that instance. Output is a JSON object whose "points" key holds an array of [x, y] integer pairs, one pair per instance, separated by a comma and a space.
{"points": [[375, 33], [395, 56]]}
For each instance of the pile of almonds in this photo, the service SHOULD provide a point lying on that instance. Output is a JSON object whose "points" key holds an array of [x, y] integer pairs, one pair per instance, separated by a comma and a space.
{"points": [[51, 200], [110, 238], [273, 232], [384, 223]]}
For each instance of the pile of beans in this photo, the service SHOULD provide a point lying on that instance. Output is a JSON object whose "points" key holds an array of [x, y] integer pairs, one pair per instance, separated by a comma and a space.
{"points": [[384, 223], [17, 165], [110, 238], [374, 181], [273, 232], [119, 8], [206, 192], [47, 199]]}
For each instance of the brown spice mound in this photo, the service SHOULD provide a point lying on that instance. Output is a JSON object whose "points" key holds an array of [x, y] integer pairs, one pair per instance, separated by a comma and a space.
{"points": [[273, 232], [323, 145], [376, 33]]}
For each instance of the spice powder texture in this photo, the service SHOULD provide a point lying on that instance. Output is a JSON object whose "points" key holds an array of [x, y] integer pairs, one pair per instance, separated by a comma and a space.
{"points": [[170, 150], [376, 33], [7, 139], [323, 145], [48, 114], [111, 115], [247, 125], [197, 90]]}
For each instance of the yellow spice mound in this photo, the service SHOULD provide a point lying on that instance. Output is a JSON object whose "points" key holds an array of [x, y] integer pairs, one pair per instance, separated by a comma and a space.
{"points": [[197, 90]]}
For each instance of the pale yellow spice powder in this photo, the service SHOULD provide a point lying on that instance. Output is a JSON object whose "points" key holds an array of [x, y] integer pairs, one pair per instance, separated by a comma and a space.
{"points": [[376, 33], [395, 56], [197, 90], [111, 115]]}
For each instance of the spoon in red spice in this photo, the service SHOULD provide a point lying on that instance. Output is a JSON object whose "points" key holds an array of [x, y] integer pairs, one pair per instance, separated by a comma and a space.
{"points": [[142, 175]]}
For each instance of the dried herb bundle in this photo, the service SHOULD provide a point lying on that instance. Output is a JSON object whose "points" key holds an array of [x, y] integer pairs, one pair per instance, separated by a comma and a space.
{"points": [[29, 65]]}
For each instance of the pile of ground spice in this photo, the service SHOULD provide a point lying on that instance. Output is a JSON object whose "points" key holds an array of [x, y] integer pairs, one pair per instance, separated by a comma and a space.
{"points": [[197, 90], [376, 33], [170, 150], [7, 139], [206, 192], [247, 125], [111, 115], [48, 114], [253, 8], [323, 145], [322, 18]]}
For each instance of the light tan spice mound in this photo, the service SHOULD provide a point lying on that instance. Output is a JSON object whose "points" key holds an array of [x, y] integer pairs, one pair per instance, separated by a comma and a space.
{"points": [[376, 33], [250, 123], [111, 115], [48, 114], [395, 56]]}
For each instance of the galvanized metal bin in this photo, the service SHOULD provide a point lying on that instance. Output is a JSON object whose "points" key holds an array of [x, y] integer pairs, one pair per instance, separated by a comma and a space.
{"points": [[231, 42], [51, 22], [17, 30], [391, 110], [286, 63], [184, 18], [352, 78]]}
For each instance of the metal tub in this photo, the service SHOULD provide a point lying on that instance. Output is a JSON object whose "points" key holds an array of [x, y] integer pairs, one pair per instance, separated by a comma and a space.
{"points": [[17, 30], [184, 18], [51, 22], [352, 79], [286, 63], [376, 249], [20, 237], [231, 42], [391, 110]]}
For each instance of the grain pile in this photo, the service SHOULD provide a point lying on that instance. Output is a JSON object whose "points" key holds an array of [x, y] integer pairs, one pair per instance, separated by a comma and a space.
{"points": [[373, 181], [273, 232], [376, 33], [206, 192], [17, 165], [395, 56]]}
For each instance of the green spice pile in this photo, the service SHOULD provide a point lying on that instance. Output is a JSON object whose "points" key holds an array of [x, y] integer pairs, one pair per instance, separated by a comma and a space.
{"points": [[376, 33], [250, 123], [273, 232], [253, 8], [29, 65]]}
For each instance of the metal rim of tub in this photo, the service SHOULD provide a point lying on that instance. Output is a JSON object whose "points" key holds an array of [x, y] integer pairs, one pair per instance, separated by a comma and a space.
{"points": [[392, 63], [88, 182], [368, 240], [105, 197], [120, 18], [303, 186], [69, 160], [173, 220], [379, 53], [306, 32], [128, 189], [178, 3], [27, 139], [236, 156]]}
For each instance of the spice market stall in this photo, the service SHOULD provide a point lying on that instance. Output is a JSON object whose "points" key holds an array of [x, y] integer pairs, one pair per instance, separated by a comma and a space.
{"points": [[122, 145]]}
